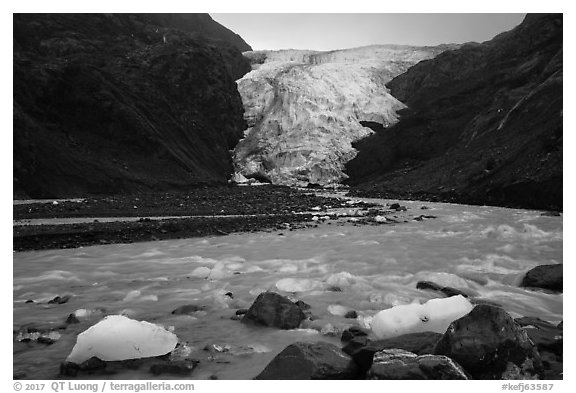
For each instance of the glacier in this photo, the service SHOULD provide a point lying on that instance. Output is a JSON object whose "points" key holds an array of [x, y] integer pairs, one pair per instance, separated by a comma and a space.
{"points": [[303, 109]]}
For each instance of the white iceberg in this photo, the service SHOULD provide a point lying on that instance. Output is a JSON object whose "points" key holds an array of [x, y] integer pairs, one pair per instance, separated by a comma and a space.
{"points": [[433, 316], [117, 337]]}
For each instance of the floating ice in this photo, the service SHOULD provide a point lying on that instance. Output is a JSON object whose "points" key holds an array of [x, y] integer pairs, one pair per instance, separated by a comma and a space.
{"points": [[119, 338], [433, 316]]}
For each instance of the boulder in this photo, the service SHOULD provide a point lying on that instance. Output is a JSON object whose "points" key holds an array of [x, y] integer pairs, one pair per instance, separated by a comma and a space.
{"points": [[545, 277], [489, 344], [363, 350], [400, 364], [305, 361], [274, 310], [548, 338], [433, 316]]}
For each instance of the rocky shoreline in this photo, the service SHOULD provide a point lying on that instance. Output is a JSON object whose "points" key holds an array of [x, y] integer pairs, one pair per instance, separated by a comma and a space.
{"points": [[205, 211]]}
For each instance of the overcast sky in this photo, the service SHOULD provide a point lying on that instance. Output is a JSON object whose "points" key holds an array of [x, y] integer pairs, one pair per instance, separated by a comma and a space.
{"points": [[336, 31]]}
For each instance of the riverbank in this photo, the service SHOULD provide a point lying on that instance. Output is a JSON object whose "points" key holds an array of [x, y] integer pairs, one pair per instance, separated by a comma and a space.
{"points": [[206, 211]]}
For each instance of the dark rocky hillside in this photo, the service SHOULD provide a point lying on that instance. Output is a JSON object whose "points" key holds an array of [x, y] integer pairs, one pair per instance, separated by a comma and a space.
{"points": [[484, 125], [107, 104]]}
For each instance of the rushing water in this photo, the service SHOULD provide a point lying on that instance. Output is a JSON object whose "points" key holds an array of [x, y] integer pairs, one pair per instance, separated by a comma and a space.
{"points": [[481, 250]]}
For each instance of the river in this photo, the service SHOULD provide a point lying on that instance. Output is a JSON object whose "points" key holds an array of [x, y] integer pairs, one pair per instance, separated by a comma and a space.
{"points": [[482, 250]]}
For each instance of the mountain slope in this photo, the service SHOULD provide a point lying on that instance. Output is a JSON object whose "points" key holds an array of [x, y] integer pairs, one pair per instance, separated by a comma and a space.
{"points": [[484, 125], [108, 104], [304, 109]]}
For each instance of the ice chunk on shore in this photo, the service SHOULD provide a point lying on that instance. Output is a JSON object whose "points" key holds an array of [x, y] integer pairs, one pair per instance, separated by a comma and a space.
{"points": [[117, 337], [433, 316]]}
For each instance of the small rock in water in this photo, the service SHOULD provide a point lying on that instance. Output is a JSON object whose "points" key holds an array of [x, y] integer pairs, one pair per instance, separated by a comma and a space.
{"points": [[352, 314], [60, 300], [448, 291], [188, 309], [400, 364], [118, 338], [274, 310], [303, 305], [353, 331], [545, 276]]}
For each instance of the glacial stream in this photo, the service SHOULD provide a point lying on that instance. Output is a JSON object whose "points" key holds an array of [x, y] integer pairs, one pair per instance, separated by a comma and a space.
{"points": [[483, 251]]}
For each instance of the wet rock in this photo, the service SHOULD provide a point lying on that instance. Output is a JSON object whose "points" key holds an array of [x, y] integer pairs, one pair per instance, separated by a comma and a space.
{"points": [[333, 288], [545, 276], [551, 214], [174, 367], [60, 299], [352, 332], [418, 343], [548, 338], [303, 305], [72, 319], [90, 366], [306, 361], [44, 337], [488, 344], [403, 365], [241, 311], [352, 314], [448, 291], [274, 310], [188, 309]]}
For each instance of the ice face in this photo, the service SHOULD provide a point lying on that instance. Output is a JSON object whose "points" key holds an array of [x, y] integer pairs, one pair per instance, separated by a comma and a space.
{"points": [[117, 337]]}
